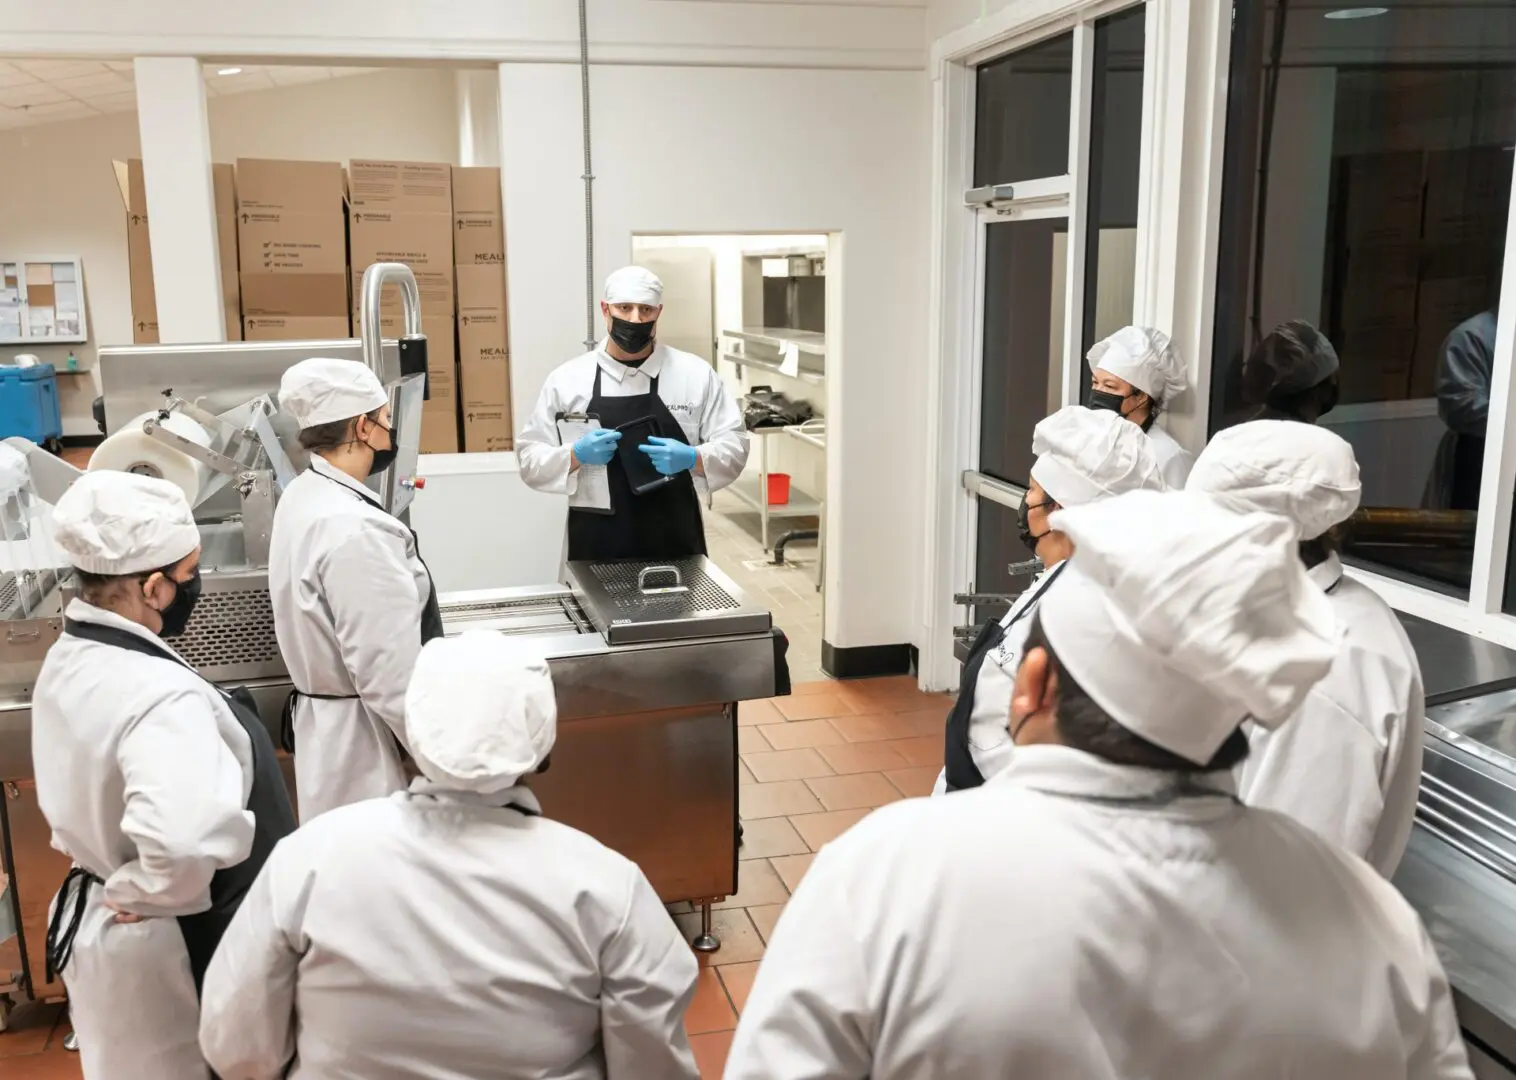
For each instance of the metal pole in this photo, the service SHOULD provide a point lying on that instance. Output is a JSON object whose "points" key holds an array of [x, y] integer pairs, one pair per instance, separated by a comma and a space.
{"points": [[590, 335]]}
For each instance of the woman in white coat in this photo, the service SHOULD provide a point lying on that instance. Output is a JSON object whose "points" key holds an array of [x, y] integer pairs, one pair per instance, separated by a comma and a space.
{"points": [[451, 931], [353, 602], [1135, 373], [1082, 455], [163, 789], [1106, 907], [1348, 764]]}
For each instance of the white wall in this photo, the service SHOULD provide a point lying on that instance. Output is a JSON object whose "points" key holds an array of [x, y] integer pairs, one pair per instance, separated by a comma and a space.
{"points": [[707, 150], [59, 195]]}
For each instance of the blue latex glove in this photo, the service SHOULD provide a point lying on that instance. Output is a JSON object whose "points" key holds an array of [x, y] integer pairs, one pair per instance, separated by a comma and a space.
{"points": [[670, 456], [597, 447]]}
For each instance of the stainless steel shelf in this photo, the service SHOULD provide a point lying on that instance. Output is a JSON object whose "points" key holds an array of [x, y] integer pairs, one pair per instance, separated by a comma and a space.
{"points": [[800, 504]]}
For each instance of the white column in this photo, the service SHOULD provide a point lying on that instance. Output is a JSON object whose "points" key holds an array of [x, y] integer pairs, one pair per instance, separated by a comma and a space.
{"points": [[478, 117], [181, 203]]}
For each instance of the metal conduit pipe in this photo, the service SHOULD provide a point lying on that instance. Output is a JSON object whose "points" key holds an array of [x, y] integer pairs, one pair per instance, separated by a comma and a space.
{"points": [[590, 335]]}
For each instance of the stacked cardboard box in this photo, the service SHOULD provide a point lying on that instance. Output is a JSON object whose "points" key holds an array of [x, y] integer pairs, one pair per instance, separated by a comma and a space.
{"points": [[292, 234], [403, 212], [483, 338], [139, 252]]}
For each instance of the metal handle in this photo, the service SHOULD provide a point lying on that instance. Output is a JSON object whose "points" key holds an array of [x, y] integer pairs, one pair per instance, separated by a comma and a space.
{"points": [[646, 570]]}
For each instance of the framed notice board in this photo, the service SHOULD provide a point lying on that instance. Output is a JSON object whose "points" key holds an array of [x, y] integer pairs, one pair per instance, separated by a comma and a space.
{"points": [[42, 300]]}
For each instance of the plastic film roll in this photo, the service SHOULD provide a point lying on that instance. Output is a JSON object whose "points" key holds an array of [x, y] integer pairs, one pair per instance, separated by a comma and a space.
{"points": [[133, 450]]}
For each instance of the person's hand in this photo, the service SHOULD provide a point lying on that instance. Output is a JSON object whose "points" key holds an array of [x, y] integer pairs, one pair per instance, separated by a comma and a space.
{"points": [[670, 456], [124, 916], [596, 447]]}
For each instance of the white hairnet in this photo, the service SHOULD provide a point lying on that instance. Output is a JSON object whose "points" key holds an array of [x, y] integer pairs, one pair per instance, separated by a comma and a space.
{"points": [[122, 523], [480, 711], [634, 285], [15, 471], [1144, 357], [1088, 454], [322, 390], [1181, 618], [1304, 473]]}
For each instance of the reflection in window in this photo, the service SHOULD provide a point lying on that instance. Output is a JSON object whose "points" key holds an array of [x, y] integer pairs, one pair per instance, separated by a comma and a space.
{"points": [[1366, 191], [1021, 118], [1024, 279]]}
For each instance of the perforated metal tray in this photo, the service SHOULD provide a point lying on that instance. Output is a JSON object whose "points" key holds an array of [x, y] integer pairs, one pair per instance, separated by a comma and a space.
{"points": [[639, 600]]}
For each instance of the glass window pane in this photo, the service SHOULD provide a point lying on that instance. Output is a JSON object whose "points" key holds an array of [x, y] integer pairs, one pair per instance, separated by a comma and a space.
{"points": [[1366, 190], [1021, 118], [1024, 275], [1115, 147]]}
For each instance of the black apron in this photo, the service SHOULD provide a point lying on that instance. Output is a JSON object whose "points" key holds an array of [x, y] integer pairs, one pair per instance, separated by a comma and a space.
{"points": [[269, 802], [660, 524], [431, 627], [957, 756]]}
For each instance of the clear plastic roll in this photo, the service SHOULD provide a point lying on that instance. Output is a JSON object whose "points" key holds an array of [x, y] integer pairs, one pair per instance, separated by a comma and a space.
{"points": [[133, 450]]}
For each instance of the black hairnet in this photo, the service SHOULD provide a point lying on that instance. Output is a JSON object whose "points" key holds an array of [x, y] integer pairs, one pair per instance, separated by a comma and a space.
{"points": [[1294, 357]]}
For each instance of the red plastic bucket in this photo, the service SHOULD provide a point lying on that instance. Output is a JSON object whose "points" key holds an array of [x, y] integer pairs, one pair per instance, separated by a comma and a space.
{"points": [[779, 488]]}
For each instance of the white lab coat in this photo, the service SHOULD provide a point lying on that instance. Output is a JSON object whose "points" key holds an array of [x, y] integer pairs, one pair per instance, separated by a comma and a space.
{"points": [[1348, 763], [691, 389], [448, 935], [1067, 921], [348, 590], [989, 724], [1174, 461], [143, 775]]}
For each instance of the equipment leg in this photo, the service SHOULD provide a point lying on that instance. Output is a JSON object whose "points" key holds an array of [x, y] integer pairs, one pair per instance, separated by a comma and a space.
{"points": [[706, 941], [71, 1042]]}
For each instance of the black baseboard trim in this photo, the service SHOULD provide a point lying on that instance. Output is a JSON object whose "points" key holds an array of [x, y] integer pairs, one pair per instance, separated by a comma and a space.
{"points": [[867, 661], [79, 442]]}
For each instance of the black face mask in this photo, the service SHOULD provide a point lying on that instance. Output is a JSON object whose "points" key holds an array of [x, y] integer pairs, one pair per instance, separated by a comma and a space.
{"points": [[383, 459], [632, 337], [177, 615], [1104, 399], [1329, 399], [1024, 524]]}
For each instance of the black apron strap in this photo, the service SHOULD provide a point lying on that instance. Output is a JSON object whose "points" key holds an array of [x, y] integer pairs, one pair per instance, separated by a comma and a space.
{"points": [[60, 934]]}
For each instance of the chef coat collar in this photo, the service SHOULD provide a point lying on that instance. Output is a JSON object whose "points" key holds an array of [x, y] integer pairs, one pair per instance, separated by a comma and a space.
{"points": [[617, 370], [331, 472], [83, 611], [1062, 770], [1327, 573], [519, 797]]}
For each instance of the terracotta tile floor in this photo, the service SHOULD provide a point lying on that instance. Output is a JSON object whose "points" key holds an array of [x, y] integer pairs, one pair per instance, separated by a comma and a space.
{"points": [[815, 763]]}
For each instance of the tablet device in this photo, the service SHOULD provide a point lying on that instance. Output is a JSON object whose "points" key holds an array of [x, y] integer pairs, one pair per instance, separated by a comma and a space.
{"points": [[641, 473]]}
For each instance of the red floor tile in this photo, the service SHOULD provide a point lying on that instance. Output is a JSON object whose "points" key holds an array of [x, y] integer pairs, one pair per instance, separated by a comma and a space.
{"points": [[813, 707], [914, 782], [819, 829], [757, 883], [53, 1065], [710, 1010], [765, 917], [752, 713], [815, 686], [710, 1053], [776, 800], [738, 979], [863, 757], [860, 790], [740, 942], [879, 727], [791, 868], [925, 750], [799, 733], [30, 1028], [750, 740], [764, 838], [780, 765]]}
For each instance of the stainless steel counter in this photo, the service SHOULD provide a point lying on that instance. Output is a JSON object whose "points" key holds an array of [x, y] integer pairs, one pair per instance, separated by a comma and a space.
{"points": [[1455, 664]]}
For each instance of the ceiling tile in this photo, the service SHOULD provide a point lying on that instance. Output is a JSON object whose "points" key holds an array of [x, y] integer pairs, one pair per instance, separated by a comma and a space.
{"points": [[60, 69], [10, 118], [10, 76], [123, 66], [31, 94], [122, 102], [293, 76], [84, 87], [63, 110]]}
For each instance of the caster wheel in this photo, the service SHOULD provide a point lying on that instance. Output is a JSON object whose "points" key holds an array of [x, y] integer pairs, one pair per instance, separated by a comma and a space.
{"points": [[71, 1043]]}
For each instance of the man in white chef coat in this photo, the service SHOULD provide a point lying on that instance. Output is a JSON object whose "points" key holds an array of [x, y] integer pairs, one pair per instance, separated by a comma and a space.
{"points": [[451, 931], [353, 602], [1348, 764], [163, 789], [694, 443], [1106, 907]]}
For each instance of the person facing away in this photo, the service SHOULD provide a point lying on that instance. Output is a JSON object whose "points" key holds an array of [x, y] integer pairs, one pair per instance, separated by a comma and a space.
{"points": [[1291, 375], [1136, 373], [1465, 369], [701, 443], [1106, 908], [1081, 455], [161, 788], [353, 602], [1348, 764], [451, 931]]}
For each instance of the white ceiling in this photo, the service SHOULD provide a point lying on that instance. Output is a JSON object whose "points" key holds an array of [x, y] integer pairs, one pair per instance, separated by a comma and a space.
{"points": [[44, 91]]}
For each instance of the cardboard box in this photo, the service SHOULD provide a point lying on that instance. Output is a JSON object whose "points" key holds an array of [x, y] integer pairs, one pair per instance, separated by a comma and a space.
{"points": [[481, 306], [139, 253], [295, 295], [401, 186], [295, 328], [290, 217], [1383, 198], [1468, 194], [1376, 365], [1375, 301], [478, 217], [402, 212]]}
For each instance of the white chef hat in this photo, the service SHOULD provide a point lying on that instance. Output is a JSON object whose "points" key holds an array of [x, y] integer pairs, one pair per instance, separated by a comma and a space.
{"points": [[1301, 472], [1144, 357], [15, 471], [321, 390], [1181, 618], [1088, 454], [124, 523], [634, 285], [480, 711]]}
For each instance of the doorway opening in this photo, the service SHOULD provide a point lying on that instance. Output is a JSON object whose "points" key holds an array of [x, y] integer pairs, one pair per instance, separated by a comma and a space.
{"points": [[754, 308]]}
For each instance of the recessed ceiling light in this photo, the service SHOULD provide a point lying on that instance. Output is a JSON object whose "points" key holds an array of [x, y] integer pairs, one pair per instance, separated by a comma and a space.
{"points": [[1357, 13], [230, 71]]}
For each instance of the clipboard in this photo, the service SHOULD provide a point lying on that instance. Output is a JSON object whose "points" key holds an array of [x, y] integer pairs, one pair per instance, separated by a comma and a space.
{"points": [[592, 493]]}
